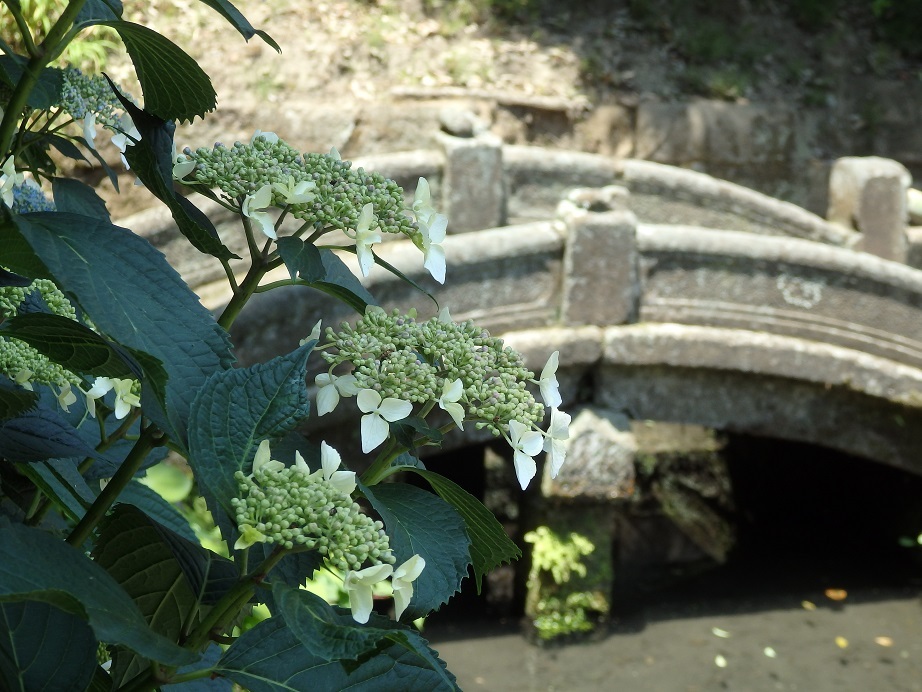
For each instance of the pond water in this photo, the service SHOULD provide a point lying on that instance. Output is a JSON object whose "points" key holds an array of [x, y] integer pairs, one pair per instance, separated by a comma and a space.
{"points": [[818, 596]]}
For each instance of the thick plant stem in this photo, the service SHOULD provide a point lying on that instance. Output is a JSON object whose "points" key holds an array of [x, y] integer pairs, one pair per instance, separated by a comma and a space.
{"points": [[218, 618], [146, 442], [45, 53], [243, 293], [230, 604]]}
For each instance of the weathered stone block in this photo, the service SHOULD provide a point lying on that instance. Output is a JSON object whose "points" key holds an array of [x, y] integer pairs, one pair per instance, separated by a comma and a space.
{"points": [[783, 286], [666, 133], [600, 268], [473, 193], [670, 195], [600, 459], [869, 193]]}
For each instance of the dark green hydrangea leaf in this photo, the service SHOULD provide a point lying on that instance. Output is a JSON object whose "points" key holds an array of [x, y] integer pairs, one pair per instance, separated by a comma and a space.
{"points": [[14, 400], [342, 284], [67, 147], [95, 11], [43, 434], [138, 287], [75, 347], [234, 411], [47, 91], [420, 523], [59, 480], [302, 259], [490, 546], [41, 646], [34, 565], [152, 161], [174, 86], [271, 658], [239, 22], [76, 197], [132, 551]]}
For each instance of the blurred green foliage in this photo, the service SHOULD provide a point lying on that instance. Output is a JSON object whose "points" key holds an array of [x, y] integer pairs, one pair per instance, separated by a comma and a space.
{"points": [[89, 54]]}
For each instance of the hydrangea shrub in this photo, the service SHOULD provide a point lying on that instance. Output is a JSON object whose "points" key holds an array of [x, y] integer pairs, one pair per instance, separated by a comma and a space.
{"points": [[108, 360]]}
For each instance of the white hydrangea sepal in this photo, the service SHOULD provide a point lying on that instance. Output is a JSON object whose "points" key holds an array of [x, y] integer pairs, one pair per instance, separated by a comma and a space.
{"points": [[264, 460], [558, 431], [313, 336], [89, 130], [330, 461], [66, 397], [270, 137], [359, 585], [550, 388], [378, 413], [126, 137], [433, 233], [124, 398], [365, 237], [182, 166], [402, 582], [422, 206], [249, 535], [254, 207], [525, 443], [448, 401], [330, 388], [24, 379], [296, 193], [8, 178]]}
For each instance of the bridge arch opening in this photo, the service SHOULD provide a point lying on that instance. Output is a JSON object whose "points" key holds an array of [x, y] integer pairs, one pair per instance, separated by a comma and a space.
{"points": [[807, 518]]}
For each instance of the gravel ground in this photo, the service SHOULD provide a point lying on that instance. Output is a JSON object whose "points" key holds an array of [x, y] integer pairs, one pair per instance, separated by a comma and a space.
{"points": [[872, 641]]}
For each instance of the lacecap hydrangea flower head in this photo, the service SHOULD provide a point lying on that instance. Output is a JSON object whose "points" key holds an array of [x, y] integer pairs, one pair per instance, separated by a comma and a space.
{"points": [[396, 365], [297, 508], [267, 180]]}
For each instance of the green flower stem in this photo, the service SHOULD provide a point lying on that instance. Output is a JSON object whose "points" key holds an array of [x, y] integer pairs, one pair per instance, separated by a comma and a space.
{"points": [[34, 507], [251, 240], [47, 503], [230, 604], [380, 467], [280, 283], [24, 31], [243, 293], [149, 438], [231, 279], [45, 53]]}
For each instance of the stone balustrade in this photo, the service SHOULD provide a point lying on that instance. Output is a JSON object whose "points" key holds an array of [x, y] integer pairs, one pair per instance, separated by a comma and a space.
{"points": [[786, 273]]}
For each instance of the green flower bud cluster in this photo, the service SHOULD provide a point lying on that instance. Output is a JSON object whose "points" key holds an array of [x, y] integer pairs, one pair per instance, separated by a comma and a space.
{"points": [[338, 196], [404, 359], [82, 94], [292, 508], [17, 357], [28, 198]]}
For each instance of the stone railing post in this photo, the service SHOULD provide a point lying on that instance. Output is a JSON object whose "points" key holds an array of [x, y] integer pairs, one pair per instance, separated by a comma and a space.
{"points": [[600, 272], [580, 508], [473, 187], [869, 194]]}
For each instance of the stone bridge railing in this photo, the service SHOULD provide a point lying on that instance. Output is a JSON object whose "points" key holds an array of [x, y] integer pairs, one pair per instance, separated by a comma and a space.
{"points": [[771, 327], [765, 335]]}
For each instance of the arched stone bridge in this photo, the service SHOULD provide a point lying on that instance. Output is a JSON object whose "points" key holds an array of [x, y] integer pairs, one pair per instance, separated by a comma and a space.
{"points": [[759, 318]]}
